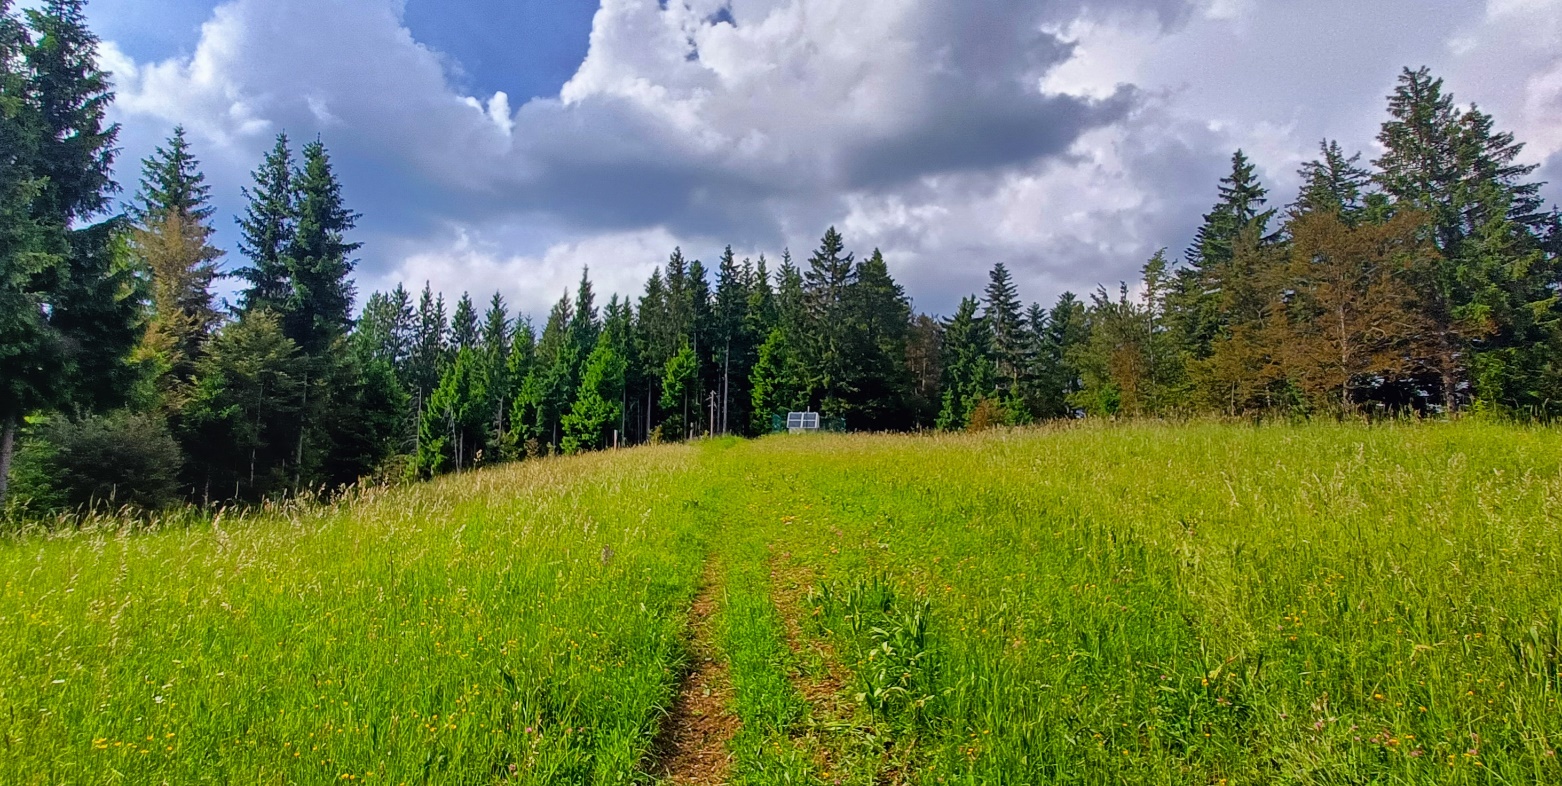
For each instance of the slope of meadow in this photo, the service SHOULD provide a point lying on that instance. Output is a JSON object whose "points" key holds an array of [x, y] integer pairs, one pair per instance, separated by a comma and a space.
{"points": [[1139, 604], [527, 619]]}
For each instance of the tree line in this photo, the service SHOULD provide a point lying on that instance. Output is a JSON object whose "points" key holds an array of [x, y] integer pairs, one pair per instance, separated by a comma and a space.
{"points": [[1424, 282]]}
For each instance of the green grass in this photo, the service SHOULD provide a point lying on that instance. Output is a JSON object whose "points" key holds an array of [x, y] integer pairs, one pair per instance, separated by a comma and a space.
{"points": [[529, 616], [1196, 604]]}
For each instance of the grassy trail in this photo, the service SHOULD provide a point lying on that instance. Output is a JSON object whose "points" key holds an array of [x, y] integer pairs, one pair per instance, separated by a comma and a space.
{"points": [[1183, 606], [819, 677], [1187, 606]]}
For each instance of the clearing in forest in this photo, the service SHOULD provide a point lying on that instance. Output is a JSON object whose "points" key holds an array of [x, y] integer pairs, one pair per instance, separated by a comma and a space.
{"points": [[1188, 604]]}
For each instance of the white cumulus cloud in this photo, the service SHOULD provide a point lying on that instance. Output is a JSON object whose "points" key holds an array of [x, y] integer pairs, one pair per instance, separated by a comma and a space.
{"points": [[1069, 139]]}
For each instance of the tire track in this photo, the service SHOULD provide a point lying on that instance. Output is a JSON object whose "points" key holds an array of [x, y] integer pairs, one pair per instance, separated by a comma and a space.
{"points": [[693, 746]]}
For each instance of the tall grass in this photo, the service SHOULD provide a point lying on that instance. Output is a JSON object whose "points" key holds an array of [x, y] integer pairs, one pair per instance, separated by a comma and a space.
{"points": [[520, 624], [1199, 604], [1191, 604]]}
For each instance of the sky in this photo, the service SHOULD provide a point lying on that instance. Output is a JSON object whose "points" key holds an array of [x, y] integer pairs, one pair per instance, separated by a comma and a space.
{"points": [[503, 145]]}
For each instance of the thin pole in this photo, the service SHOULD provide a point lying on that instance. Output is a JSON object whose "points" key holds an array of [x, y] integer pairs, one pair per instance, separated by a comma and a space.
{"points": [[303, 416]]}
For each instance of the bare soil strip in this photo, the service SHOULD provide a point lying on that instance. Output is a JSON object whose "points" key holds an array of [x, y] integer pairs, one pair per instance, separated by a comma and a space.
{"points": [[693, 745]]}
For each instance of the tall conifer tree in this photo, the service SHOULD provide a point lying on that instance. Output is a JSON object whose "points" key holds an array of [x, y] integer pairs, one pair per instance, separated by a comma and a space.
{"points": [[876, 347], [266, 231], [1196, 317], [825, 282], [1001, 311], [464, 331], [318, 260], [71, 293], [172, 238], [969, 374]]}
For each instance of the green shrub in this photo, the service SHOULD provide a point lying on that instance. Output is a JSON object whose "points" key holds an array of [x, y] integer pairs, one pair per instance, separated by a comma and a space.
{"points": [[112, 460]]}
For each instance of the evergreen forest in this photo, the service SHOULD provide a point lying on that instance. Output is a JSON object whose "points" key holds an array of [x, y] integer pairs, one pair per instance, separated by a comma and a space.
{"points": [[1423, 283]]}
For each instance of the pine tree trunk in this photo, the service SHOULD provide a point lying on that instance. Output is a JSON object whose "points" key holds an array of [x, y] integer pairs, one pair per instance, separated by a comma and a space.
{"points": [[7, 450]]}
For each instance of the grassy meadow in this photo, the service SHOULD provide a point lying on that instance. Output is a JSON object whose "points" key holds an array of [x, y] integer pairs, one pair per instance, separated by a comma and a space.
{"points": [[1156, 604]]}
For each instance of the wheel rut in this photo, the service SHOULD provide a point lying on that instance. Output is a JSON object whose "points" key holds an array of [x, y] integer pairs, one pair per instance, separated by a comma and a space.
{"points": [[693, 746], [822, 683]]}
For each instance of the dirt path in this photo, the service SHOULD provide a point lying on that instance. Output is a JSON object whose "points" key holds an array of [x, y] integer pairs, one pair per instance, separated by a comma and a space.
{"points": [[692, 748]]}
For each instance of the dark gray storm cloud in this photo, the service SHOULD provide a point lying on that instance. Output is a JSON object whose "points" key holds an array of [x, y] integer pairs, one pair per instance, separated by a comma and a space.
{"points": [[1069, 139]]}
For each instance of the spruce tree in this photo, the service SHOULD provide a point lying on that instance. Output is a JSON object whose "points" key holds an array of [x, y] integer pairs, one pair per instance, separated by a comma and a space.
{"points": [[732, 350], [546, 397], [172, 182], [650, 331], [518, 368], [829, 274], [1111, 363], [1241, 373], [1032, 381], [496, 354], [237, 427], [23, 248], [701, 333], [679, 378], [775, 382], [1128, 364], [172, 239], [585, 322], [969, 373], [1058, 378], [1196, 317], [1241, 203], [1491, 300], [925, 363], [759, 314], [266, 232], [679, 305], [404, 332], [71, 95], [318, 309], [1001, 312], [386, 331], [791, 305], [1334, 183], [497, 329], [430, 346], [174, 248], [880, 318], [464, 332], [69, 288], [374, 336], [618, 329], [597, 407], [454, 424], [363, 422]]}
